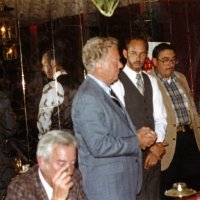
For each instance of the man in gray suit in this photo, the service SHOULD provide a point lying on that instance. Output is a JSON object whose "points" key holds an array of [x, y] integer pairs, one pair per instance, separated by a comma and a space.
{"points": [[110, 147]]}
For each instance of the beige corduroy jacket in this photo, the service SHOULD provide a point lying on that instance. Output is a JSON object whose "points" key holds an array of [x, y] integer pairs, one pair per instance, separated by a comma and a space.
{"points": [[171, 119]]}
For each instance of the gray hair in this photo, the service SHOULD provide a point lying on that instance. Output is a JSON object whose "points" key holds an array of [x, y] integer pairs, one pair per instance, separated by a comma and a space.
{"points": [[51, 138], [96, 49]]}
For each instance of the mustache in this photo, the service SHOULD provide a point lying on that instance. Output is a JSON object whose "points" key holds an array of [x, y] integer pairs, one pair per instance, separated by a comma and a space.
{"points": [[169, 68], [137, 62]]}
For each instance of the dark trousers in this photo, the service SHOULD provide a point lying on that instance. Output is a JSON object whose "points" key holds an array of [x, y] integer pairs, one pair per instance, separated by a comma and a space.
{"points": [[150, 182], [185, 166]]}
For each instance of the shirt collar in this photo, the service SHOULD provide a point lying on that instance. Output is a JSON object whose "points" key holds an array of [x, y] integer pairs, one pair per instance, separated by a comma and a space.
{"points": [[131, 73], [105, 87], [58, 73], [47, 187], [172, 77]]}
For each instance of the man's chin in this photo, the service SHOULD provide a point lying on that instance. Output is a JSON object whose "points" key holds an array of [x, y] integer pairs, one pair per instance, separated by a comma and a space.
{"points": [[114, 81], [136, 68]]}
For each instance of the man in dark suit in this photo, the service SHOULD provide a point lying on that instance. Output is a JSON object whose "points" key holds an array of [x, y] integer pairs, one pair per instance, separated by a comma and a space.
{"points": [[110, 147]]}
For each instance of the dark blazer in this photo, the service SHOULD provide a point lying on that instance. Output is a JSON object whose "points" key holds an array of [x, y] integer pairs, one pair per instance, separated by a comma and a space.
{"points": [[109, 153]]}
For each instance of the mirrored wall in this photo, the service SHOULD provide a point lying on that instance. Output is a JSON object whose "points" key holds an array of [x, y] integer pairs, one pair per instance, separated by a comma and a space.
{"points": [[66, 25]]}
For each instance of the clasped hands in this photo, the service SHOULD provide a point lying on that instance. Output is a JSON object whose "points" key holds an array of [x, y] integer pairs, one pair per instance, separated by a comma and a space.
{"points": [[155, 153], [147, 139]]}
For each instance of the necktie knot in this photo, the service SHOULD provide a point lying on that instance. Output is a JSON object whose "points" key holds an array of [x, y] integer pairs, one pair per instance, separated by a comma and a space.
{"points": [[114, 97], [140, 84], [112, 93]]}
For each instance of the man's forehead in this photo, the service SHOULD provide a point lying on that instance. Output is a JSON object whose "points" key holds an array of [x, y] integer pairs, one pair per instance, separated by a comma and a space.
{"points": [[44, 58], [167, 53], [137, 47]]}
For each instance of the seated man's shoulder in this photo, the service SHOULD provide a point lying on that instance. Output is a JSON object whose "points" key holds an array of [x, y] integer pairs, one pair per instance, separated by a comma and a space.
{"points": [[25, 178], [26, 186]]}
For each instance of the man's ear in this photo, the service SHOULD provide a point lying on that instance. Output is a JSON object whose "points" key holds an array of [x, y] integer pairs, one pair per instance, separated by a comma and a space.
{"points": [[154, 61], [125, 53], [41, 161], [53, 63], [99, 66]]}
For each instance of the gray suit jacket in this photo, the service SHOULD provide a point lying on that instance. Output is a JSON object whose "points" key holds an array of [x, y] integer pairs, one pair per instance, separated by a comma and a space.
{"points": [[109, 153]]}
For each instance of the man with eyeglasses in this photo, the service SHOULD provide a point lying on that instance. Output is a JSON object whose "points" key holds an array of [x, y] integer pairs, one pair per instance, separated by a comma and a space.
{"points": [[181, 163]]}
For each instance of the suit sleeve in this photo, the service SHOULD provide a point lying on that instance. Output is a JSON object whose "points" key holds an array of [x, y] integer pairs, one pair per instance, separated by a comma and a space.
{"points": [[101, 130]]}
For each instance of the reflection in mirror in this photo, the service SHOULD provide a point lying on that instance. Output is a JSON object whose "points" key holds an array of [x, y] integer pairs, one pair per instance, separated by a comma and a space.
{"points": [[22, 76], [60, 34]]}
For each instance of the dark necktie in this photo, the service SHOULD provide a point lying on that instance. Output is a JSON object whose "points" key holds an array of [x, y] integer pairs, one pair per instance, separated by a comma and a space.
{"points": [[115, 98]]}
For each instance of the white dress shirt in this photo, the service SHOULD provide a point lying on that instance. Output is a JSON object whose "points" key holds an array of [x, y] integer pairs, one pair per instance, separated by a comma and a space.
{"points": [[159, 111], [47, 187]]}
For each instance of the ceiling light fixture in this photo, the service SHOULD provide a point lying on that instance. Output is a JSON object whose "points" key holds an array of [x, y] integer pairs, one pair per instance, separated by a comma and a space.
{"points": [[106, 7]]}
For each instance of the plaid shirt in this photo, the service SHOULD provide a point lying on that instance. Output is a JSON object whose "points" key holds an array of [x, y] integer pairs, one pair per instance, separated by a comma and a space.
{"points": [[178, 98], [28, 186]]}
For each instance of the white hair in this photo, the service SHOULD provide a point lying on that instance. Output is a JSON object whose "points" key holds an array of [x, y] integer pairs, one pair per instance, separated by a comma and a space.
{"points": [[54, 137]]}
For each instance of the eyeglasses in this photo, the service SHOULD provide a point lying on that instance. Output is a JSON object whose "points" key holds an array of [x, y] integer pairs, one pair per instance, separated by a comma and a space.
{"points": [[174, 61]]}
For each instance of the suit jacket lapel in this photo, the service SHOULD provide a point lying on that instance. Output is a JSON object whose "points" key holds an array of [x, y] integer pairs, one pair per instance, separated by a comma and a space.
{"points": [[183, 84], [121, 112]]}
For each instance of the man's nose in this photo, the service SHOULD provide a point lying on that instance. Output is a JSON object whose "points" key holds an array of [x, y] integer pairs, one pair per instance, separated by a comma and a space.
{"points": [[137, 57], [171, 64], [42, 68]]}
